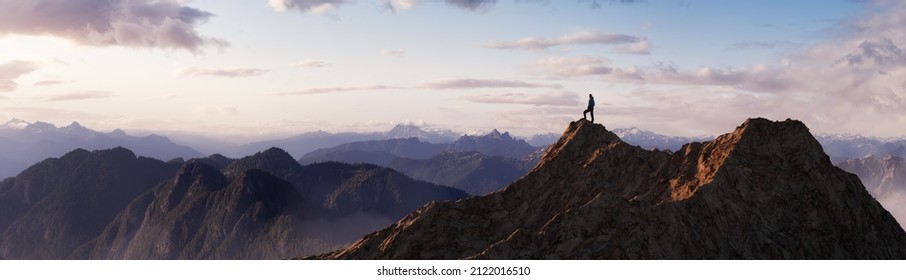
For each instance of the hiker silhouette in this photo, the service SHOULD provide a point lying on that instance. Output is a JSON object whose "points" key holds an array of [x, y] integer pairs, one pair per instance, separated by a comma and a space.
{"points": [[591, 108]]}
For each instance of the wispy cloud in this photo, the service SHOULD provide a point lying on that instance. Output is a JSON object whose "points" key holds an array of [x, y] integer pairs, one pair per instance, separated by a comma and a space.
{"points": [[81, 95], [562, 98], [223, 110], [144, 24], [596, 4], [323, 90], [230, 72], [394, 53], [48, 82], [326, 6], [580, 66], [628, 44], [395, 5], [482, 83], [761, 44], [12, 70], [449, 84], [311, 63], [471, 5], [307, 6]]}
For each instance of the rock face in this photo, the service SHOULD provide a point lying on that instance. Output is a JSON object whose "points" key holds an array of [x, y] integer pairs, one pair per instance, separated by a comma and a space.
{"points": [[764, 191], [885, 178]]}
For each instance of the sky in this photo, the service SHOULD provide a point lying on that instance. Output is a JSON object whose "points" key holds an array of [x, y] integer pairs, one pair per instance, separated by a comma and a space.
{"points": [[268, 68]]}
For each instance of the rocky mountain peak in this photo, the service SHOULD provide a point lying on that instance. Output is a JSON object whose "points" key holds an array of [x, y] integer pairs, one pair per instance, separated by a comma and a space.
{"points": [[405, 131], [763, 191], [40, 127], [273, 160]]}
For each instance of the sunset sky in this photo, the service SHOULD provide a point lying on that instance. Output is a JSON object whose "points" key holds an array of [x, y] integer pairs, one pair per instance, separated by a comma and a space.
{"points": [[283, 67]]}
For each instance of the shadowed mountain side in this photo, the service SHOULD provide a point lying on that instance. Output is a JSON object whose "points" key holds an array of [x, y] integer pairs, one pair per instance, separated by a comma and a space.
{"points": [[54, 206], [472, 172], [764, 191], [260, 207], [885, 179], [201, 214]]}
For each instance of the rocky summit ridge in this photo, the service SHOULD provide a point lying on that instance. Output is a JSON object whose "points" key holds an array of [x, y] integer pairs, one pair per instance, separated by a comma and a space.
{"points": [[764, 191]]}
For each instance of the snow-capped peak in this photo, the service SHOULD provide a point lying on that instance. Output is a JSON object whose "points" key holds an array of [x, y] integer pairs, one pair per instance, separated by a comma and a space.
{"points": [[15, 123]]}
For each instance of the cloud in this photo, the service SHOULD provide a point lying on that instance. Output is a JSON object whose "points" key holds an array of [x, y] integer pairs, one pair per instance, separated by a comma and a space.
{"points": [[224, 110], [338, 89], [306, 6], [395, 5], [482, 83], [230, 72], [81, 95], [629, 44], [640, 47], [12, 70], [471, 5], [563, 98], [596, 4], [852, 78], [311, 63], [461, 84], [395, 53], [48, 82], [761, 44], [581, 66], [875, 52], [143, 24]]}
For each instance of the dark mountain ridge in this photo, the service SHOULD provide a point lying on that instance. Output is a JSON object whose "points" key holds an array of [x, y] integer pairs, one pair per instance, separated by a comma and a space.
{"points": [[110, 204], [764, 191], [56, 205]]}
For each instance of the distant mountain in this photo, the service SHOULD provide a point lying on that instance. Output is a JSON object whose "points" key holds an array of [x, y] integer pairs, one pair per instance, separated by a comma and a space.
{"points": [[493, 144], [764, 191], [111, 204], [476, 164], [885, 178], [54, 206], [650, 140], [375, 151], [412, 131], [543, 140], [847, 146], [301, 144], [472, 172], [26, 143]]}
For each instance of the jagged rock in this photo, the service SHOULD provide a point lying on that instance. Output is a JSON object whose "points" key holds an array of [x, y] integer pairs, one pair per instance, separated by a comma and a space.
{"points": [[764, 191]]}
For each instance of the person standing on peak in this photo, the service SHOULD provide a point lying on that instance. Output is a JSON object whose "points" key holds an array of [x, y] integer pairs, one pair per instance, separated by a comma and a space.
{"points": [[591, 108]]}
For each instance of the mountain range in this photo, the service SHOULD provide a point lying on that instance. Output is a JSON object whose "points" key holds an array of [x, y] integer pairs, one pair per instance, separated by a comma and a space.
{"points": [[475, 164], [764, 191], [112, 204], [472, 172], [304, 143], [23, 144]]}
